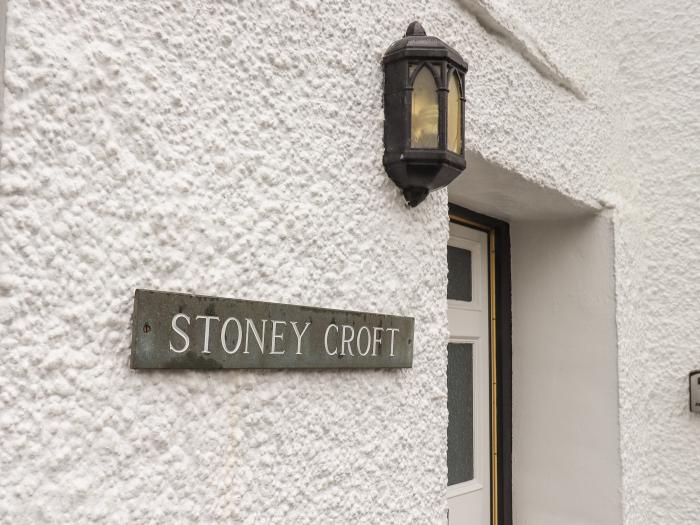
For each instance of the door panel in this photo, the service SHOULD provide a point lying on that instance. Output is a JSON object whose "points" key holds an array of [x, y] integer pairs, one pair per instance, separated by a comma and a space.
{"points": [[460, 406], [468, 439]]}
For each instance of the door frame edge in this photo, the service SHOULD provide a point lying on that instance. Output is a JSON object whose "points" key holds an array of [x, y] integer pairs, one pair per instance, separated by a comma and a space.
{"points": [[501, 347]]}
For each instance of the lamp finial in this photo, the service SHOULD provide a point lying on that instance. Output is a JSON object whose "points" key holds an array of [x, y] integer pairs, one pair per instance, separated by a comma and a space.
{"points": [[415, 29]]}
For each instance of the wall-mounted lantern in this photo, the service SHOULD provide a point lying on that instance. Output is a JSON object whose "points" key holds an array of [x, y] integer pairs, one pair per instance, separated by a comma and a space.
{"points": [[423, 113]]}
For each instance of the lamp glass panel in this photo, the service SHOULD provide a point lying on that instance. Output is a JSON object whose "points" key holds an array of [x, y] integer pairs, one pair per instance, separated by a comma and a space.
{"points": [[454, 115], [424, 111]]}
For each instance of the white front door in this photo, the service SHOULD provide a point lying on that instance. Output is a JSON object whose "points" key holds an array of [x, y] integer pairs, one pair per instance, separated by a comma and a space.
{"points": [[468, 401]]}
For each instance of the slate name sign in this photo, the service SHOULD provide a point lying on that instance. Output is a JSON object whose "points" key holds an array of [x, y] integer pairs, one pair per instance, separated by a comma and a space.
{"points": [[176, 330]]}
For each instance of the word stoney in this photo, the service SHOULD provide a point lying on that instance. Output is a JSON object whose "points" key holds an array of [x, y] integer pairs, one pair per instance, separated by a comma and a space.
{"points": [[173, 330]]}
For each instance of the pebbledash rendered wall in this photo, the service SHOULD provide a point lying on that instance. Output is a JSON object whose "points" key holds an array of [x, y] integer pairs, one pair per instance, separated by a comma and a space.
{"points": [[234, 149]]}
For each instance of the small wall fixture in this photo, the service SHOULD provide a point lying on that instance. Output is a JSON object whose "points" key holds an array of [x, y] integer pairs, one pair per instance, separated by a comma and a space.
{"points": [[423, 113]]}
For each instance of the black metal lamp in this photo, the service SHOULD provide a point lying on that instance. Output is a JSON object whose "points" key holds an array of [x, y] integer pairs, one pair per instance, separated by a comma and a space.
{"points": [[423, 113]]}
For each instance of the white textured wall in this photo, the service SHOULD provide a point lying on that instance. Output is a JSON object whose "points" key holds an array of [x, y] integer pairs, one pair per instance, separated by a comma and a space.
{"points": [[226, 149], [658, 260]]}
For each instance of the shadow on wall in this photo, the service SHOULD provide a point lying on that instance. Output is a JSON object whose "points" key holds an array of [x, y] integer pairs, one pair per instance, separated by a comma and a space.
{"points": [[566, 462]]}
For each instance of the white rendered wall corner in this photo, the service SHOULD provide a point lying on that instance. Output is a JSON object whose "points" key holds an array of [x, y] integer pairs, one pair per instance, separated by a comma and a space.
{"points": [[228, 149]]}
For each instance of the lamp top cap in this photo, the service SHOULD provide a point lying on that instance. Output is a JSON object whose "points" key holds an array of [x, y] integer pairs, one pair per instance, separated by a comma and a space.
{"points": [[415, 29], [416, 45]]}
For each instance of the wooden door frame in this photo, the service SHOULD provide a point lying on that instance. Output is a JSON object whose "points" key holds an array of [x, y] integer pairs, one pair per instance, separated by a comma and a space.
{"points": [[501, 342]]}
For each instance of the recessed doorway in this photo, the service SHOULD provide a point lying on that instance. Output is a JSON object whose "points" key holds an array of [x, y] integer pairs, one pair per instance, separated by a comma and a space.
{"points": [[478, 353]]}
